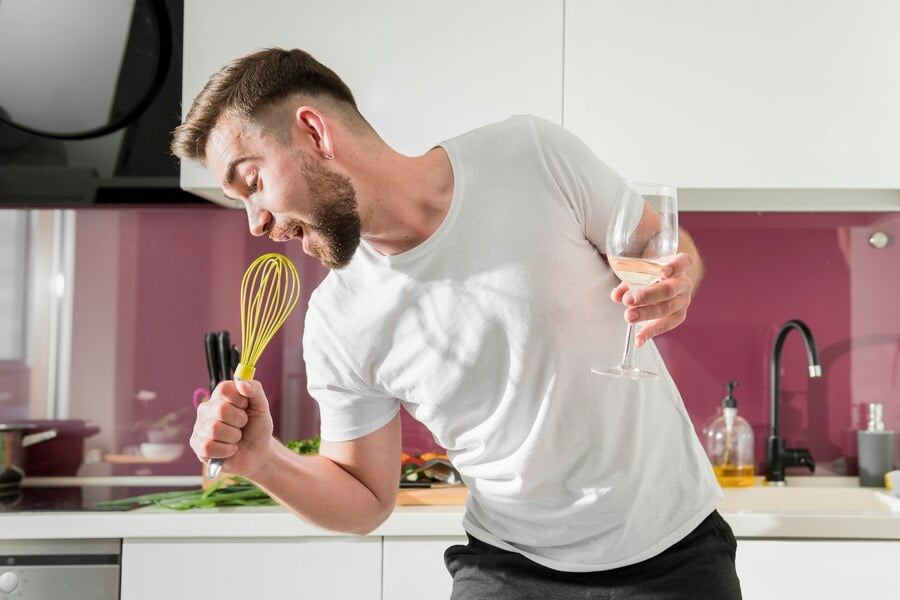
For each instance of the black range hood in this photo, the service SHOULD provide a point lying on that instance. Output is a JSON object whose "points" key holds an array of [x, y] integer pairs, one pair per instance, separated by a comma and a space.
{"points": [[121, 159]]}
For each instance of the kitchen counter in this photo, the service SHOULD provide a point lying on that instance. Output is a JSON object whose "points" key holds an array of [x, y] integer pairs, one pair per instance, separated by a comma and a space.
{"points": [[808, 507]]}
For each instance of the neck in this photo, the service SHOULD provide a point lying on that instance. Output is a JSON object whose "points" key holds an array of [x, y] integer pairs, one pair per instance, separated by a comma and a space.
{"points": [[402, 199]]}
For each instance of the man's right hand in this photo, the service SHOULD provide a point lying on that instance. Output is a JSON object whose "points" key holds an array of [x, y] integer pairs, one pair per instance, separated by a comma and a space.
{"points": [[234, 424]]}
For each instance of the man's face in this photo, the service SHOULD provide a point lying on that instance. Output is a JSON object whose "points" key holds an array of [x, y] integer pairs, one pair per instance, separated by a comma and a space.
{"points": [[288, 194]]}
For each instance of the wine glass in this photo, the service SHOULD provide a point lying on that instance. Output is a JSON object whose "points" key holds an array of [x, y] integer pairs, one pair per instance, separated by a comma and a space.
{"points": [[642, 236]]}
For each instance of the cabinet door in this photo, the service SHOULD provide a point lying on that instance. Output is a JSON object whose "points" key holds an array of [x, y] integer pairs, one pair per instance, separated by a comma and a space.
{"points": [[421, 72], [736, 94], [414, 568], [321, 568], [791, 569]]}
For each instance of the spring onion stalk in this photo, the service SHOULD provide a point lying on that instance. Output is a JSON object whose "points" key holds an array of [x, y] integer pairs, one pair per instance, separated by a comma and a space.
{"points": [[240, 493]]}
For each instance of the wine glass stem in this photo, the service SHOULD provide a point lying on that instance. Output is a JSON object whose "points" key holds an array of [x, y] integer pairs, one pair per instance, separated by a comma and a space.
{"points": [[628, 357]]}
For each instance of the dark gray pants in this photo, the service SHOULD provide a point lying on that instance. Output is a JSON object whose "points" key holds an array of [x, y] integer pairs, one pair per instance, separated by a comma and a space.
{"points": [[699, 567]]}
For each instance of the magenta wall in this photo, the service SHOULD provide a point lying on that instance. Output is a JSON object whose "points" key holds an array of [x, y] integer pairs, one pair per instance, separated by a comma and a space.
{"points": [[177, 274], [762, 270]]}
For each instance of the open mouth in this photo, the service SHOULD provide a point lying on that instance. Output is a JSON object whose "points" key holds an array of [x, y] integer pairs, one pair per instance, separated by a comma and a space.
{"points": [[285, 235]]}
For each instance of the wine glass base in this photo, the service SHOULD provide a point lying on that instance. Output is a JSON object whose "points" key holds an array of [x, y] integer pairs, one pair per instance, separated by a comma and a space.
{"points": [[625, 373]]}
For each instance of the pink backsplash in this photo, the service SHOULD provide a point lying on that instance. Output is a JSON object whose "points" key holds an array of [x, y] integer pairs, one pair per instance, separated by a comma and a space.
{"points": [[150, 282], [764, 269]]}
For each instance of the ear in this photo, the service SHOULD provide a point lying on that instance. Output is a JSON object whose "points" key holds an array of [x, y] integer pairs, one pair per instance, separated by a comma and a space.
{"points": [[311, 122]]}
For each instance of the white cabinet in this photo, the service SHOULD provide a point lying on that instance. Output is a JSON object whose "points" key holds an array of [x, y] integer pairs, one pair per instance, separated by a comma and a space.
{"points": [[791, 569], [414, 568], [737, 94], [421, 72], [321, 568]]}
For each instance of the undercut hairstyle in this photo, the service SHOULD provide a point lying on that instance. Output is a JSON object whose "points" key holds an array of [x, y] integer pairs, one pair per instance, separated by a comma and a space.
{"points": [[249, 85]]}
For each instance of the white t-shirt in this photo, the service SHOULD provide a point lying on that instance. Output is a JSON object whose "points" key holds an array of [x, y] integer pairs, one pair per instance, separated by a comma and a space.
{"points": [[486, 333]]}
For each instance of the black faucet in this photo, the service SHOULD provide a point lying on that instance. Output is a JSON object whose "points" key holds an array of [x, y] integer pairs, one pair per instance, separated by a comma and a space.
{"points": [[777, 456]]}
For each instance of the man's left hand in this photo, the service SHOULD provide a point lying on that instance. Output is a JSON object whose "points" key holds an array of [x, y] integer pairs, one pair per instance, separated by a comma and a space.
{"points": [[662, 306]]}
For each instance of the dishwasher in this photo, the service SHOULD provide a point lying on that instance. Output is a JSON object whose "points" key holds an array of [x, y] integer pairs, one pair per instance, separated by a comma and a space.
{"points": [[57, 569]]}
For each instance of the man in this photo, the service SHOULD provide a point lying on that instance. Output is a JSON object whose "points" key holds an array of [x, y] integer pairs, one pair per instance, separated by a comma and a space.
{"points": [[467, 286]]}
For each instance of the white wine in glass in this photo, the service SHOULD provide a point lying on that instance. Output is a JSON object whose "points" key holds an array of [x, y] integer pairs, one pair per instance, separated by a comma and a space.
{"points": [[642, 236]]}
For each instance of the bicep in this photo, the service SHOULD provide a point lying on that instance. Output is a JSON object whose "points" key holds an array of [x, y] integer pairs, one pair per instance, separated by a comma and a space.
{"points": [[373, 459]]}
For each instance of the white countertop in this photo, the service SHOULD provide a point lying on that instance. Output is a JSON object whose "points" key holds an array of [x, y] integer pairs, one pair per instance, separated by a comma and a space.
{"points": [[808, 507]]}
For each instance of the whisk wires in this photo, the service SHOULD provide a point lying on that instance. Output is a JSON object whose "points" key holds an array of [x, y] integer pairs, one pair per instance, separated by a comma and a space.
{"points": [[270, 290]]}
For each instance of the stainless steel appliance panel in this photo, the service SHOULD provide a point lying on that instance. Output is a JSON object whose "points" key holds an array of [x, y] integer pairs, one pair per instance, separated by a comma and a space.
{"points": [[54, 569]]}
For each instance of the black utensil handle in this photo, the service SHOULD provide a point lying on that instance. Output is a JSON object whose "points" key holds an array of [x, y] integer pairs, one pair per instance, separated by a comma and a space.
{"points": [[415, 484], [212, 359], [225, 371]]}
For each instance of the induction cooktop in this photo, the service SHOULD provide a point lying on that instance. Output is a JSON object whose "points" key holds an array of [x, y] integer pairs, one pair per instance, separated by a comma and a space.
{"points": [[71, 498]]}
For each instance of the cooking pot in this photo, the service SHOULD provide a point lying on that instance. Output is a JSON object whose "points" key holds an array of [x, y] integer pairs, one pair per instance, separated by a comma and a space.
{"points": [[12, 458], [62, 456]]}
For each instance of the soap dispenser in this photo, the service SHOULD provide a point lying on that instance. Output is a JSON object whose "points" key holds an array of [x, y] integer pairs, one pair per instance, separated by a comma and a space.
{"points": [[876, 449], [729, 444]]}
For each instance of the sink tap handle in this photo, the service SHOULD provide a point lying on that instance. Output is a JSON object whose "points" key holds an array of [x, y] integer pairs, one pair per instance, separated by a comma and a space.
{"points": [[800, 457]]}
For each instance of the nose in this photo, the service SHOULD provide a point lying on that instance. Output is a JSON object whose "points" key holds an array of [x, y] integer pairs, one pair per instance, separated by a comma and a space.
{"points": [[258, 220]]}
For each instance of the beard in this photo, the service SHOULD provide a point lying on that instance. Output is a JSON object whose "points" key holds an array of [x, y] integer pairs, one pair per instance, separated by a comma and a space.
{"points": [[334, 217]]}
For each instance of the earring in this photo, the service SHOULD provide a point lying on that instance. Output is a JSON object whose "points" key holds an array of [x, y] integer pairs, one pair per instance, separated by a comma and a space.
{"points": [[329, 156]]}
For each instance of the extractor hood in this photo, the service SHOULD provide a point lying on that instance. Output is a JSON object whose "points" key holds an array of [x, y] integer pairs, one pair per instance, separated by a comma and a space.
{"points": [[86, 114]]}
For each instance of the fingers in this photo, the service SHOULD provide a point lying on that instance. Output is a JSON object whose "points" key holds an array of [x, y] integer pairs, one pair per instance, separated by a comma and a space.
{"points": [[253, 395], [667, 297], [680, 264], [678, 284], [662, 306], [618, 292], [217, 429], [662, 316], [673, 278], [206, 448], [651, 329]]}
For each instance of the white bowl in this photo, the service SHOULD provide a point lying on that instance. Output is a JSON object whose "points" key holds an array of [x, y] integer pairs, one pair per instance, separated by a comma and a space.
{"points": [[161, 451]]}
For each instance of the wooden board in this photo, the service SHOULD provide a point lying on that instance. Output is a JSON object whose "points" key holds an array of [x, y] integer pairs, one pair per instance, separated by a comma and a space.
{"points": [[437, 495]]}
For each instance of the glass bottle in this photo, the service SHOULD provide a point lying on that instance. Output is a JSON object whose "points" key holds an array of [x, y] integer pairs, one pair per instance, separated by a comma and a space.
{"points": [[729, 444]]}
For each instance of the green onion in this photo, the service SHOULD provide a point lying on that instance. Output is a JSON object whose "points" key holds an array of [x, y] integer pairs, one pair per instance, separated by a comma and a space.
{"points": [[240, 493]]}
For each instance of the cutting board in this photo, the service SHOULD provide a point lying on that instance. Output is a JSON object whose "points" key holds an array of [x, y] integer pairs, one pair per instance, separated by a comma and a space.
{"points": [[439, 494]]}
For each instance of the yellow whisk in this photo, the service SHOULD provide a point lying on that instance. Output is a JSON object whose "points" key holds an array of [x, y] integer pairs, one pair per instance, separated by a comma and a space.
{"points": [[270, 290]]}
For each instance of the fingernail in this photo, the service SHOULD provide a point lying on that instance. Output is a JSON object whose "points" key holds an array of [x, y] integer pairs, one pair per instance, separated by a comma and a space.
{"points": [[628, 298], [632, 316]]}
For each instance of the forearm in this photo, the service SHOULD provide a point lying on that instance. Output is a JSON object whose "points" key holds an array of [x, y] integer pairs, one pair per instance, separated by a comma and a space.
{"points": [[696, 270], [320, 491]]}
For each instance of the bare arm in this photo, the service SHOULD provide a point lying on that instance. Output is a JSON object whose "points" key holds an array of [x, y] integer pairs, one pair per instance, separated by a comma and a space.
{"points": [[695, 271], [663, 306], [349, 486]]}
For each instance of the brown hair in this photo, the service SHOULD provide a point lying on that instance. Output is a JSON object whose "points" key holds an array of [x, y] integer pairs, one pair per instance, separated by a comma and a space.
{"points": [[254, 82]]}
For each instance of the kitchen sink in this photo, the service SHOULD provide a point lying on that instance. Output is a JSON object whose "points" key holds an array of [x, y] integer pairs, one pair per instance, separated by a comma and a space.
{"points": [[813, 495]]}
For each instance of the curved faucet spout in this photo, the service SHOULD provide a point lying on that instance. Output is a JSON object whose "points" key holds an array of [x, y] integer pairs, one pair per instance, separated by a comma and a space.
{"points": [[815, 369], [777, 456]]}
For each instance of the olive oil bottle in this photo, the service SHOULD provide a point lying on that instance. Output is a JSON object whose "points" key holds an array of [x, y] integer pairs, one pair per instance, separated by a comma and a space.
{"points": [[729, 444]]}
